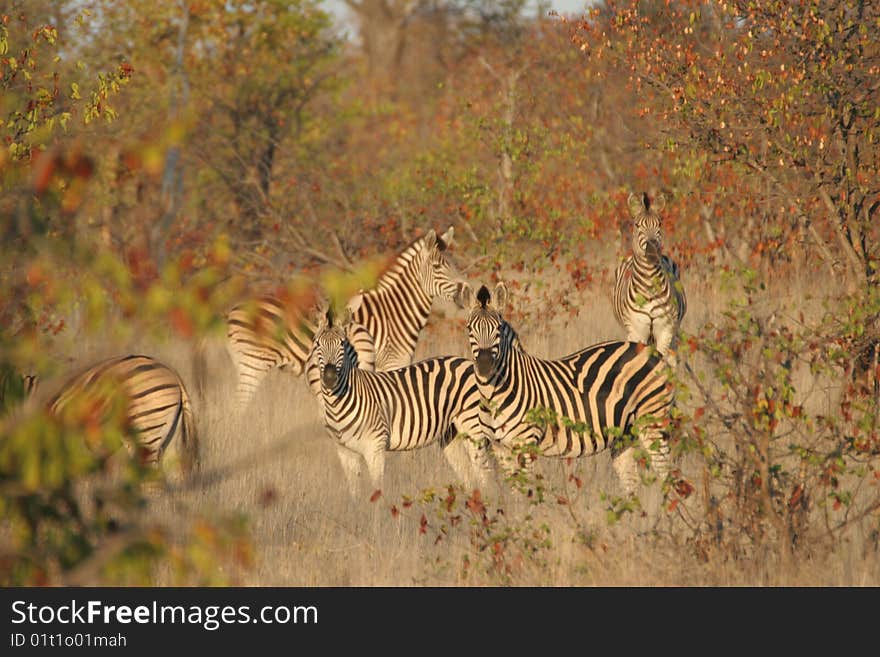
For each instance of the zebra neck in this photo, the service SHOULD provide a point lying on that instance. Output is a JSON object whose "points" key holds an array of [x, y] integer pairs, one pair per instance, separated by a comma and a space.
{"points": [[647, 264], [512, 357], [399, 293], [406, 264]]}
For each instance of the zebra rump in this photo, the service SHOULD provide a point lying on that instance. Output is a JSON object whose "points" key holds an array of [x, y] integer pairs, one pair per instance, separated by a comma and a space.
{"points": [[157, 405]]}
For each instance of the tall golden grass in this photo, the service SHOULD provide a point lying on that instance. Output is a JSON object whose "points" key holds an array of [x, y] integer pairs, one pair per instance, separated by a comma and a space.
{"points": [[276, 465]]}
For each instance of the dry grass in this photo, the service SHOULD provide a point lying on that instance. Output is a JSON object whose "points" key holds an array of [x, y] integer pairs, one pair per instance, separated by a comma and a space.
{"points": [[276, 465]]}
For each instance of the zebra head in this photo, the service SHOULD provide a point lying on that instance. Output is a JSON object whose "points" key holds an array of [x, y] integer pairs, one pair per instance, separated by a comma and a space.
{"points": [[485, 325], [332, 356], [438, 277], [647, 240]]}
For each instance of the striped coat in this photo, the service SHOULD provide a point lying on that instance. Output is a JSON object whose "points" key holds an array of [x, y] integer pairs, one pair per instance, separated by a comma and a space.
{"points": [[649, 300], [156, 405], [581, 404], [371, 413], [265, 333]]}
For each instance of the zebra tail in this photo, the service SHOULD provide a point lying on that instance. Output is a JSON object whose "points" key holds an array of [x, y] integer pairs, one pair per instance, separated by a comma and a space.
{"points": [[200, 366], [190, 454]]}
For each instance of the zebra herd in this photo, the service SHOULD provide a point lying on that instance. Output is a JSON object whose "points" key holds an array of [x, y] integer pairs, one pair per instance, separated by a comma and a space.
{"points": [[497, 400]]}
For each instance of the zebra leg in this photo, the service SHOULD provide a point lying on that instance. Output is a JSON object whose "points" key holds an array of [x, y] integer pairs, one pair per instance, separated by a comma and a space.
{"points": [[248, 380], [627, 471], [666, 339], [351, 463], [638, 328], [375, 458], [469, 459], [654, 443], [250, 370], [516, 462], [476, 467]]}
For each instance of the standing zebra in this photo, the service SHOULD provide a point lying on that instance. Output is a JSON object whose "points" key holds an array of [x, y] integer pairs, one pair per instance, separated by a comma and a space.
{"points": [[649, 300], [612, 390], [157, 406], [397, 309], [369, 413], [263, 334]]}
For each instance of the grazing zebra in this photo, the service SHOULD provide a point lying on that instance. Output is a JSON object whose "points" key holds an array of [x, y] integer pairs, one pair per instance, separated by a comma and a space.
{"points": [[649, 300], [264, 334], [157, 406], [612, 390], [369, 413]]}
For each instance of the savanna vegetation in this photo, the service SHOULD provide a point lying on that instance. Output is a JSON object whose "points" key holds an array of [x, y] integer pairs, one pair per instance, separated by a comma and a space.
{"points": [[162, 159]]}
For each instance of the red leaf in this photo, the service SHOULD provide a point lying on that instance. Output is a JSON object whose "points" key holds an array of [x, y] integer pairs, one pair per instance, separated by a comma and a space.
{"points": [[35, 275], [684, 488], [376, 495], [181, 322], [475, 504], [796, 496], [394, 511]]}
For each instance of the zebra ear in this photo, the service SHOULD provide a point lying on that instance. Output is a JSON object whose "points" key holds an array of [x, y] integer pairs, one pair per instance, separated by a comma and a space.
{"points": [[659, 202], [325, 320], [466, 296], [430, 238], [500, 295], [323, 312], [354, 303], [344, 318], [636, 204], [445, 239]]}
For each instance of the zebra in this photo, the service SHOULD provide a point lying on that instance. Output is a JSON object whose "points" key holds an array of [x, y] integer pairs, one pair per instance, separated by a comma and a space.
{"points": [[649, 300], [157, 406], [396, 311], [265, 333], [369, 413], [611, 391]]}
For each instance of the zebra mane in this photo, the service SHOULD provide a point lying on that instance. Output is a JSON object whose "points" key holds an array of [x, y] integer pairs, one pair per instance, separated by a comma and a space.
{"points": [[483, 296], [404, 260]]}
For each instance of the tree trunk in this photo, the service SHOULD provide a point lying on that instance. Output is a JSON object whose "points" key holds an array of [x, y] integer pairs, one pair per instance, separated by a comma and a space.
{"points": [[383, 35]]}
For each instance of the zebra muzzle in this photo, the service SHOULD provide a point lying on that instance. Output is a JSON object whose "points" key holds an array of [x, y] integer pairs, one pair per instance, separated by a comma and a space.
{"points": [[330, 376], [485, 362], [652, 250]]}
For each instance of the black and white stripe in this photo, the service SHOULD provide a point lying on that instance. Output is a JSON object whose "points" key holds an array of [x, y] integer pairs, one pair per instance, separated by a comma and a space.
{"points": [[613, 389], [396, 311], [262, 334], [265, 333], [368, 413], [649, 299], [157, 406]]}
